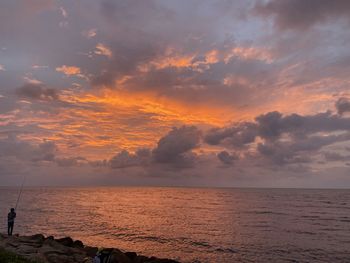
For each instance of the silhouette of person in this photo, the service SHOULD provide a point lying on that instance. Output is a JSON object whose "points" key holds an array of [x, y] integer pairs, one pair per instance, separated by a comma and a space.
{"points": [[11, 221]]}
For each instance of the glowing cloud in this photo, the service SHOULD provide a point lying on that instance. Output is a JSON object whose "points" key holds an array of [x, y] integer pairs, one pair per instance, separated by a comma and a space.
{"points": [[103, 50], [63, 12], [247, 53], [89, 33], [69, 70]]}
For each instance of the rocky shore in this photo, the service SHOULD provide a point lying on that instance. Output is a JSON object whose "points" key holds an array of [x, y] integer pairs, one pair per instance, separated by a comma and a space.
{"points": [[39, 248]]}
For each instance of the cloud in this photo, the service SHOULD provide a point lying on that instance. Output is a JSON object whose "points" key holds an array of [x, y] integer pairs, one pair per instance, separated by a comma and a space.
{"points": [[335, 156], [64, 12], [227, 158], [2, 68], [237, 135], [63, 24], [176, 146], [283, 139], [103, 50], [25, 151], [89, 33], [342, 105], [274, 124], [37, 92], [124, 159], [297, 150], [69, 70], [300, 14], [69, 162], [40, 67], [174, 149]]}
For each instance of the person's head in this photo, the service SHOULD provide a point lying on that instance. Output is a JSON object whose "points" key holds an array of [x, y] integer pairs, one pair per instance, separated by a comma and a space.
{"points": [[12, 210]]}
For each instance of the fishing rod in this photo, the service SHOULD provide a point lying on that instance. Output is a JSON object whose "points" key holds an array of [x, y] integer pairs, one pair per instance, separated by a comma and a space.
{"points": [[20, 192]]}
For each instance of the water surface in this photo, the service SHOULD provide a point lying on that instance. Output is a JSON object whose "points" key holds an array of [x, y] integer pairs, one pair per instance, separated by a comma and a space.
{"points": [[193, 225]]}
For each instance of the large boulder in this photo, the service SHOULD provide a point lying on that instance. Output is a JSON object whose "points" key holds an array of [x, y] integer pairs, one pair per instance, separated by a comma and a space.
{"points": [[38, 238], [78, 244], [66, 241], [119, 257], [90, 251], [131, 255], [26, 250]]}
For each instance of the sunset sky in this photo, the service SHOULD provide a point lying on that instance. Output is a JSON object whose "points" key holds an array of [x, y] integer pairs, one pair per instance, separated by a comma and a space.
{"points": [[177, 93]]}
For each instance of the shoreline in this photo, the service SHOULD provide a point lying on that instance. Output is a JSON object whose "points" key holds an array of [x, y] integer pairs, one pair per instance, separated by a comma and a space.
{"points": [[41, 249]]}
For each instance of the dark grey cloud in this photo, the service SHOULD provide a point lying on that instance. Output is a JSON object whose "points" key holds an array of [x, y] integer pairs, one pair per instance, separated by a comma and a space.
{"points": [[227, 158], [274, 124], [342, 105], [285, 139], [297, 150], [25, 151], [37, 92], [124, 159], [301, 15], [335, 156], [70, 161], [176, 146], [238, 135], [174, 149]]}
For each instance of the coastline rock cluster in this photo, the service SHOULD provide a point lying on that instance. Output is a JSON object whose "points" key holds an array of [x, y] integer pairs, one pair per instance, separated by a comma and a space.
{"points": [[66, 250]]}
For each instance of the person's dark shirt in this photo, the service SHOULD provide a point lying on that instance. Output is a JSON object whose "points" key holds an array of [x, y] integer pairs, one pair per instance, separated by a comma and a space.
{"points": [[11, 217]]}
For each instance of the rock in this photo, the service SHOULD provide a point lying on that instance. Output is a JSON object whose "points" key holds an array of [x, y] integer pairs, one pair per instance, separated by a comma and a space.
{"points": [[66, 241], [39, 238], [36, 257], [49, 249], [58, 258], [118, 257], [65, 250], [78, 244], [131, 255], [10, 243], [26, 250], [140, 259], [161, 260], [34, 241], [90, 251], [53, 246]]}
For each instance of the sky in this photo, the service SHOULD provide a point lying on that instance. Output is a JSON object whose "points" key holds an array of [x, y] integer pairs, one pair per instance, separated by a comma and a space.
{"points": [[246, 93]]}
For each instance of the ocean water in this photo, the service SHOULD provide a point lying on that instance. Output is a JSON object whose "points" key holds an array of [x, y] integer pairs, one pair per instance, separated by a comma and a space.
{"points": [[192, 224]]}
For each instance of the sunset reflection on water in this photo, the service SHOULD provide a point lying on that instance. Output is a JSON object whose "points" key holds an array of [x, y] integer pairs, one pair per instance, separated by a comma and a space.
{"points": [[209, 225]]}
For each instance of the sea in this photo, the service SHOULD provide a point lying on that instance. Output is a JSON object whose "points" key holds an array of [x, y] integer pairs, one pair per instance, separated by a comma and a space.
{"points": [[192, 224]]}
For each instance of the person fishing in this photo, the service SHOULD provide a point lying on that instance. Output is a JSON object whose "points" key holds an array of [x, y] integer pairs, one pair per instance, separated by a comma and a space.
{"points": [[11, 221], [12, 214]]}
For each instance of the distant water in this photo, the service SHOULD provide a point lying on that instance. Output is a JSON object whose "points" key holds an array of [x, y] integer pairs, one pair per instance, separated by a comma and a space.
{"points": [[193, 225]]}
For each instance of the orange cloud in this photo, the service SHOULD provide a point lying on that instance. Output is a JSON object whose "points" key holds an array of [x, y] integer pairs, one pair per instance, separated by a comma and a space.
{"points": [[108, 121], [69, 70], [247, 53], [103, 50]]}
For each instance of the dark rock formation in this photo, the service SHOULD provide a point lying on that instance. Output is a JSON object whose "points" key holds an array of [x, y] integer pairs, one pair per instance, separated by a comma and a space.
{"points": [[66, 250]]}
